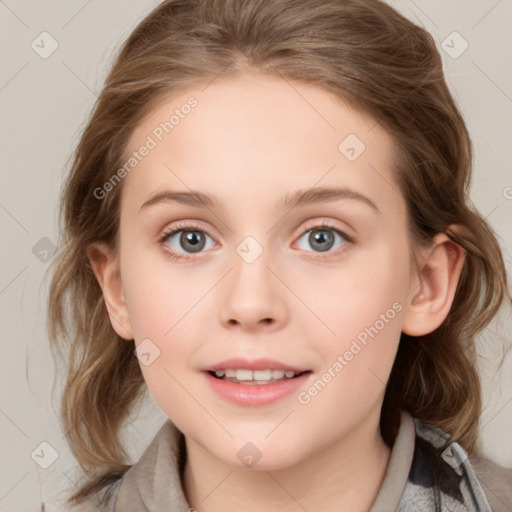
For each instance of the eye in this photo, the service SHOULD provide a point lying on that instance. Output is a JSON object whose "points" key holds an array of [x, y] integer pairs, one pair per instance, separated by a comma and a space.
{"points": [[191, 239], [323, 238]]}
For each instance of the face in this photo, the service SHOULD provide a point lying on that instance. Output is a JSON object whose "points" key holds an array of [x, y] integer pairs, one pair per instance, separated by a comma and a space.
{"points": [[315, 286]]}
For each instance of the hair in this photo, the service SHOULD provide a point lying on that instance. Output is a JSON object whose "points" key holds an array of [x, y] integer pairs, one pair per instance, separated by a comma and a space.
{"points": [[366, 54]]}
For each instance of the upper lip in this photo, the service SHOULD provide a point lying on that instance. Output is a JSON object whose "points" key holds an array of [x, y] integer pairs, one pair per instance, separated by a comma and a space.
{"points": [[241, 363]]}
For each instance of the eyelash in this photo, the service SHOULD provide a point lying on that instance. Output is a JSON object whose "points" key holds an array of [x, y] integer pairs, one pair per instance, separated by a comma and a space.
{"points": [[191, 227]]}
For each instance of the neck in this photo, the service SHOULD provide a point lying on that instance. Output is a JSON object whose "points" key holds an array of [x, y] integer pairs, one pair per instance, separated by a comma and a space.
{"points": [[344, 476]]}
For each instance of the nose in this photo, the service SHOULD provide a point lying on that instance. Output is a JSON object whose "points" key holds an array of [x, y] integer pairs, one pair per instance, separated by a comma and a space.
{"points": [[252, 297]]}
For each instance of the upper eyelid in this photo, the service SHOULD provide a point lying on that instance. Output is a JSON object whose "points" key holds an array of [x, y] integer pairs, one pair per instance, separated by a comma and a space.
{"points": [[304, 228]]}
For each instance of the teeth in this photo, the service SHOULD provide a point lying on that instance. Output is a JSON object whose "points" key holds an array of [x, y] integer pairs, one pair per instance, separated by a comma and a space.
{"points": [[278, 374], [259, 376], [262, 375], [243, 375]]}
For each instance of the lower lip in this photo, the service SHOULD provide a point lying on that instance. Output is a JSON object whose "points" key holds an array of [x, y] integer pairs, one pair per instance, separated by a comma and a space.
{"points": [[253, 395]]}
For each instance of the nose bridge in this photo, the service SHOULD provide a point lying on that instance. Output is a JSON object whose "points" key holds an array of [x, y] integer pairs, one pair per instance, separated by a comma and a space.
{"points": [[251, 275], [250, 249], [252, 293]]}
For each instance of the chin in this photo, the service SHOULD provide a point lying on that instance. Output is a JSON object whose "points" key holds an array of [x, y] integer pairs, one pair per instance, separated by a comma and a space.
{"points": [[253, 457]]}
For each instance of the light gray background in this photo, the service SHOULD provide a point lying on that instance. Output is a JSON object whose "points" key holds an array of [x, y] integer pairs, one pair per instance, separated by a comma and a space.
{"points": [[44, 104]]}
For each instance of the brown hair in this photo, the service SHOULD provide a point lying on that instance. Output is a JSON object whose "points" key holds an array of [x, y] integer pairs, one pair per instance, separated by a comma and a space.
{"points": [[363, 52]]}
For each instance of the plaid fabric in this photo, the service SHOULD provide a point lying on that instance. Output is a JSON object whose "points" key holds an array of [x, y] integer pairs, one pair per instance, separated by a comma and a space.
{"points": [[441, 477]]}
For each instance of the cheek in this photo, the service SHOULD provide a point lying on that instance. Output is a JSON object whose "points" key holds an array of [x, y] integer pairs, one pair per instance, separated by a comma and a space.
{"points": [[363, 309], [165, 306], [158, 295], [357, 364], [356, 297]]}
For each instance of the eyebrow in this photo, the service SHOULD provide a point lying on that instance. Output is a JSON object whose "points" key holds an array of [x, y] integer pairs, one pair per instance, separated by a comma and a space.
{"points": [[298, 198]]}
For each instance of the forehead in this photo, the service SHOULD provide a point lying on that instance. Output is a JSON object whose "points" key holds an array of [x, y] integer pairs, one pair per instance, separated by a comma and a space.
{"points": [[256, 137]]}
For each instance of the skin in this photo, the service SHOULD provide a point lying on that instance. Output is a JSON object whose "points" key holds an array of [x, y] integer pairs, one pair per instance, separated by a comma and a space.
{"points": [[251, 140]]}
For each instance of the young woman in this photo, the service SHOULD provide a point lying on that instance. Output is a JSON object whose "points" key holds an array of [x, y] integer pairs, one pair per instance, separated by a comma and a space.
{"points": [[267, 226]]}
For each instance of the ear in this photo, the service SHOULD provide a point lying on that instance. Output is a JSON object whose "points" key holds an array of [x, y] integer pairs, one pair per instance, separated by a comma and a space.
{"points": [[105, 265], [433, 286]]}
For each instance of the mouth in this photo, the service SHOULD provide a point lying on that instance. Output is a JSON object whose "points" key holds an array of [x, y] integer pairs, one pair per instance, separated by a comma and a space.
{"points": [[258, 382], [256, 377], [255, 383]]}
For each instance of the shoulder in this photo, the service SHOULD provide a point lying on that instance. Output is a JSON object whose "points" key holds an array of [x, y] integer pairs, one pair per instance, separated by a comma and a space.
{"points": [[496, 481], [443, 475], [103, 501]]}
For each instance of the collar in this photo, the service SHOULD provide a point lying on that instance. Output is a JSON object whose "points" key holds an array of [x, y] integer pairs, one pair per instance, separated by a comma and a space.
{"points": [[154, 484]]}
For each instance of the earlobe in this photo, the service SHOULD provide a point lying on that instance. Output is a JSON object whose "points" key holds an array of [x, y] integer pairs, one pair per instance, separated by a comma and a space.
{"points": [[105, 265], [433, 286]]}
